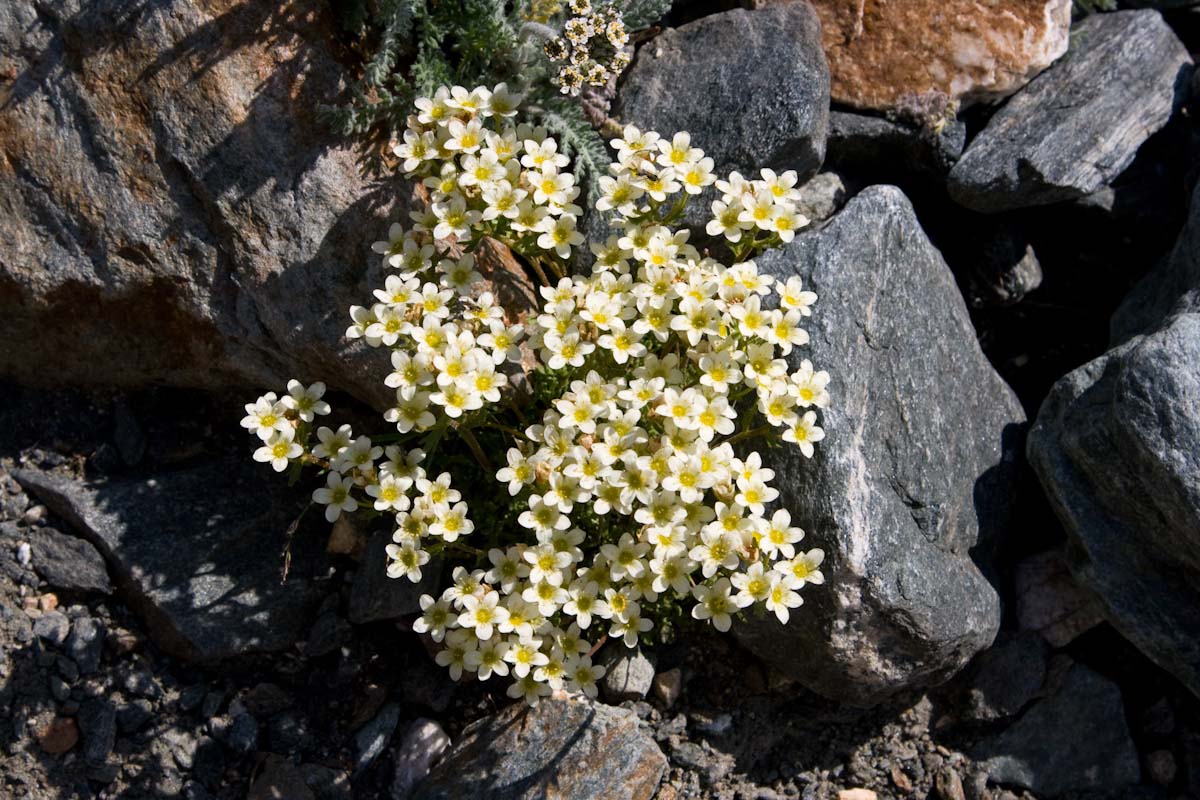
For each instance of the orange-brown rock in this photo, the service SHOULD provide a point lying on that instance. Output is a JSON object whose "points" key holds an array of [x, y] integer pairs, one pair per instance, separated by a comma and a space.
{"points": [[173, 209], [917, 56], [59, 735]]}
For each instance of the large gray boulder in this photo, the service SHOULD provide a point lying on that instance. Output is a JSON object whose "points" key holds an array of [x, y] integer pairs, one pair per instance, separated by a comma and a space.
{"points": [[569, 749], [198, 553], [1080, 123], [1076, 740], [172, 208], [751, 87], [1117, 448], [912, 485]]}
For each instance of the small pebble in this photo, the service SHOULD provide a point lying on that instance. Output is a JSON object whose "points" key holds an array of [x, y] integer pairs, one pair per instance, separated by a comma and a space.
{"points": [[1161, 766], [52, 627], [48, 602], [24, 554], [668, 686], [34, 515]]}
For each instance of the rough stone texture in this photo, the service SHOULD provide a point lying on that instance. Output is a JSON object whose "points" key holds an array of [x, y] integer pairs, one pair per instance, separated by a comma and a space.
{"points": [[1004, 271], [68, 562], [198, 553], [372, 739], [869, 144], [1050, 602], [375, 596], [909, 56], [750, 86], [1134, 532], [628, 673], [913, 482], [1077, 740], [422, 745], [279, 779], [1079, 124], [98, 724], [168, 193], [563, 748], [1007, 676]]}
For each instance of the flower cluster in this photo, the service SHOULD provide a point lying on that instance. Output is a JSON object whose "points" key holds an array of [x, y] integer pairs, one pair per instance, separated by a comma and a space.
{"points": [[635, 486], [591, 49]]}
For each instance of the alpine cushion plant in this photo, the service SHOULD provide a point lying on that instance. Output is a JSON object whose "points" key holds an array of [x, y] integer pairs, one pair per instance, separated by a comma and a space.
{"points": [[627, 444]]}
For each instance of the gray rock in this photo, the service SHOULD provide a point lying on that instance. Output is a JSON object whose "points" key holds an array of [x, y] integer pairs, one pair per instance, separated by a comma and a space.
{"points": [[751, 87], [867, 144], [374, 596], [173, 196], [1050, 602], [912, 486], [266, 699], [209, 762], [98, 725], [629, 673], [1134, 532], [279, 778], [243, 734], [668, 686], [328, 633], [132, 716], [1076, 126], [24, 554], [1075, 741], [372, 739], [822, 196], [1005, 269], [59, 688], [198, 553], [52, 627], [191, 697], [326, 783], [181, 744], [566, 748], [1007, 676], [421, 746], [85, 645], [68, 562]]}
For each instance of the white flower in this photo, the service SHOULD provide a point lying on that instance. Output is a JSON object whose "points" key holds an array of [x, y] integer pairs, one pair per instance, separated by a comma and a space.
{"points": [[525, 657], [266, 417], [804, 568], [753, 585], [407, 560], [335, 496], [809, 387], [780, 537], [482, 614], [502, 102], [389, 493], [782, 597], [489, 659], [805, 433], [714, 603], [582, 675], [435, 617], [560, 235], [453, 655], [279, 450], [305, 401], [332, 442], [508, 567]]}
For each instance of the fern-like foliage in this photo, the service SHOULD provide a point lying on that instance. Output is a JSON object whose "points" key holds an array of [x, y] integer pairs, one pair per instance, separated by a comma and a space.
{"points": [[411, 47], [643, 13], [1082, 8], [580, 142]]}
